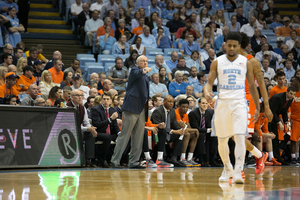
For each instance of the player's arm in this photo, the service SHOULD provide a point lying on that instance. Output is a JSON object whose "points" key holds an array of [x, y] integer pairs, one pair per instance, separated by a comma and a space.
{"points": [[262, 87], [253, 90], [210, 81]]}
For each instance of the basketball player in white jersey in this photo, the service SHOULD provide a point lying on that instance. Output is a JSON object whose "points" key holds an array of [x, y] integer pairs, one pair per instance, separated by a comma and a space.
{"points": [[231, 115]]}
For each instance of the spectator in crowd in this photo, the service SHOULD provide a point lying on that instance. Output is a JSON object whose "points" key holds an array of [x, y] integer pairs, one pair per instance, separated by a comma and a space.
{"points": [[6, 4], [131, 60], [190, 27], [107, 85], [77, 85], [40, 55], [240, 18], [159, 62], [190, 98], [111, 5], [211, 57], [151, 21], [290, 56], [183, 38], [197, 4], [284, 30], [163, 76], [18, 53], [273, 62], [7, 48], [229, 6], [102, 29], [189, 46], [14, 31], [3, 72], [175, 24], [177, 87], [219, 41], [181, 67], [66, 93], [178, 3], [260, 22], [120, 104], [169, 11], [295, 22], [39, 101], [171, 133], [8, 87], [207, 37], [276, 24], [143, 3], [296, 51], [118, 74], [188, 8], [250, 27], [96, 78], [106, 41], [76, 9], [222, 50], [182, 13], [290, 43], [121, 29], [56, 71], [220, 18], [54, 94], [114, 22], [156, 101], [234, 25], [7, 59], [157, 88], [195, 61], [46, 84], [91, 26], [130, 8], [203, 17], [259, 8], [83, 16], [152, 8], [22, 62], [148, 40], [172, 63], [26, 79], [159, 25], [270, 12], [37, 73], [279, 42], [193, 76], [163, 41], [10, 100], [32, 95], [93, 91], [32, 56], [204, 54], [56, 55], [104, 119], [102, 77], [135, 20], [268, 71], [288, 70], [200, 84], [97, 6], [137, 45], [217, 4], [67, 80], [263, 39], [265, 47], [75, 64], [257, 38], [208, 6], [121, 47]]}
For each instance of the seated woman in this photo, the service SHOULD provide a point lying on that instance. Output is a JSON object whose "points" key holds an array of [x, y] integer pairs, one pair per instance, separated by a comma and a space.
{"points": [[270, 12], [120, 31], [121, 47], [54, 94], [152, 21], [169, 11], [14, 35], [295, 22], [135, 21], [233, 25], [22, 62], [67, 80], [137, 45], [162, 76], [296, 51], [220, 19], [3, 72], [46, 84], [197, 4], [183, 38], [188, 8], [131, 60], [124, 16], [207, 37], [196, 61], [130, 8], [290, 56], [260, 22], [182, 13], [203, 17]]}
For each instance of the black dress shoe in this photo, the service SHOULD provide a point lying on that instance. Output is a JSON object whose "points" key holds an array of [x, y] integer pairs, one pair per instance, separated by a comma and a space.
{"points": [[89, 164], [113, 165], [137, 167], [205, 164], [215, 164], [105, 164]]}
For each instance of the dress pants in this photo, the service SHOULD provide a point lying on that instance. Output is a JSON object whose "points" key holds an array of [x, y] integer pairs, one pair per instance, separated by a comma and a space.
{"points": [[89, 145], [106, 139]]}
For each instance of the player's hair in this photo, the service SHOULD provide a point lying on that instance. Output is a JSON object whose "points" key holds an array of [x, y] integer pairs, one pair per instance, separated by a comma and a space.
{"points": [[292, 88], [234, 36], [183, 101], [245, 40]]}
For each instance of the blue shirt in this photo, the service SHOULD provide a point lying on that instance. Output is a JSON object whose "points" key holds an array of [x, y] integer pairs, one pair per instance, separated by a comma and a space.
{"points": [[5, 4], [218, 42], [166, 32], [113, 26], [167, 14], [150, 10], [188, 49], [148, 42], [143, 3], [175, 86], [289, 73], [155, 69], [217, 5], [210, 11], [275, 24], [171, 64], [189, 12], [108, 44], [198, 87], [159, 88], [165, 42], [116, 50], [192, 81], [191, 63], [180, 2]]}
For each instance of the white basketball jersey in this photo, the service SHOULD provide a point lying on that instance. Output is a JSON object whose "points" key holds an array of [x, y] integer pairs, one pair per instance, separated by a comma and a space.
{"points": [[231, 77]]}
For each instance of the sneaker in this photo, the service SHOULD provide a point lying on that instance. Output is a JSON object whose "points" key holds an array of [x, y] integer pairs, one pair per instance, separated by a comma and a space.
{"points": [[150, 163], [298, 160], [237, 178], [226, 175], [194, 164], [251, 160], [294, 162], [163, 164], [275, 162], [260, 163], [269, 163], [243, 174], [185, 163]]}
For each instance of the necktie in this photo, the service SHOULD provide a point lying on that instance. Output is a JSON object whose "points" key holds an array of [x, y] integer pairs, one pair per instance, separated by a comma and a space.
{"points": [[203, 125], [168, 120], [285, 104], [108, 126]]}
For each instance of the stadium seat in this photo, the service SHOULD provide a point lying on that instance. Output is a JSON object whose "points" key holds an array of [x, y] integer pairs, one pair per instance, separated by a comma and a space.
{"points": [[83, 61], [93, 69], [154, 53], [179, 53], [124, 56], [100, 56], [226, 16], [108, 65], [148, 50], [84, 56]]}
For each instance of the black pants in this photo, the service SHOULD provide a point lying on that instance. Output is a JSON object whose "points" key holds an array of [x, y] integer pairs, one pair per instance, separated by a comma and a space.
{"points": [[211, 148], [104, 148], [200, 147], [24, 7], [162, 139], [275, 142], [89, 141]]}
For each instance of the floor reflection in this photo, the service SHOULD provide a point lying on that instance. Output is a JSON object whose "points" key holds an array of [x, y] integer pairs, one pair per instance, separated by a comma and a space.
{"points": [[166, 184]]}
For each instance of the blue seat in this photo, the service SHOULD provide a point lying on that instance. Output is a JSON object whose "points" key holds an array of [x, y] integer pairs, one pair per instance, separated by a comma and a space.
{"points": [[179, 53], [108, 65], [106, 60], [100, 56], [148, 50], [226, 16], [84, 56], [83, 61], [154, 53], [124, 56]]}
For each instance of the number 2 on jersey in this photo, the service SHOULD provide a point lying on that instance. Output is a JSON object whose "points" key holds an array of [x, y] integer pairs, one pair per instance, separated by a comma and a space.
{"points": [[231, 79]]}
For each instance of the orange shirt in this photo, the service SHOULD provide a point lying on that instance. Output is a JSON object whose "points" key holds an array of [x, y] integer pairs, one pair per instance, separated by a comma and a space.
{"points": [[295, 107], [6, 91], [100, 92], [149, 123], [137, 30], [276, 90], [25, 81], [101, 31], [261, 124], [283, 31], [1, 81], [57, 77], [246, 82], [298, 32], [184, 119]]}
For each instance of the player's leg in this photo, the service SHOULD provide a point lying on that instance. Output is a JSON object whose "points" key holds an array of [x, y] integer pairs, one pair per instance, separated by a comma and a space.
{"points": [[269, 149], [185, 144], [294, 139], [223, 149], [193, 142]]}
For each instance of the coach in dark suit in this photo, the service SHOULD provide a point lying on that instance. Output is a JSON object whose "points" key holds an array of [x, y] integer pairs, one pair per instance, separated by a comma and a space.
{"points": [[279, 104], [104, 118], [206, 144], [172, 130], [134, 114]]}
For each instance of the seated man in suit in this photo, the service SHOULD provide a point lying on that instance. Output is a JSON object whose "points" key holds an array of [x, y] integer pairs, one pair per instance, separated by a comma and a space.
{"points": [[104, 118], [201, 119], [171, 133]]}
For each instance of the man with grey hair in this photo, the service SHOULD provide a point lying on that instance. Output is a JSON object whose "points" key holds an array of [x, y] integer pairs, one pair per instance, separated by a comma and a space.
{"points": [[32, 94], [91, 26], [159, 62], [160, 25], [94, 77], [107, 85], [111, 5], [172, 63], [101, 29], [148, 40], [178, 86], [8, 48], [157, 88], [93, 92], [12, 68], [39, 101], [56, 55]]}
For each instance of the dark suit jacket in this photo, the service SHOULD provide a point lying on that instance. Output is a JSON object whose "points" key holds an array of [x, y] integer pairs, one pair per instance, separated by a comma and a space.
{"points": [[253, 42], [195, 119], [207, 64], [82, 18], [100, 121], [137, 91], [159, 116], [277, 103]]}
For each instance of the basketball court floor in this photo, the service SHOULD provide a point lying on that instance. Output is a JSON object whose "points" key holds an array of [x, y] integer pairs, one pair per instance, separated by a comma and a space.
{"points": [[165, 184]]}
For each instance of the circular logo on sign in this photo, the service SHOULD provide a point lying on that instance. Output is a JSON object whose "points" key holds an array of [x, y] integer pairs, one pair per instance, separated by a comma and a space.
{"points": [[67, 144]]}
